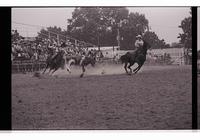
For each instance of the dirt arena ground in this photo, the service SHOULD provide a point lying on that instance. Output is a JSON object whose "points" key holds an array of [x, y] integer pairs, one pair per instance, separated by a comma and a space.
{"points": [[158, 97]]}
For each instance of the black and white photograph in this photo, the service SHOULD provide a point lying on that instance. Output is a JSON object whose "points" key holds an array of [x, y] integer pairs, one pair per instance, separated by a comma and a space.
{"points": [[101, 68]]}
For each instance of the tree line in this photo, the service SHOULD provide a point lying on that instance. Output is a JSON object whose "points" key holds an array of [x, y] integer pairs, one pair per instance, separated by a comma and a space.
{"points": [[112, 26]]}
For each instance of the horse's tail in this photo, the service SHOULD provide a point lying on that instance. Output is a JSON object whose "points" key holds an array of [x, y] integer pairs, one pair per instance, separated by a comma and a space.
{"points": [[71, 62]]}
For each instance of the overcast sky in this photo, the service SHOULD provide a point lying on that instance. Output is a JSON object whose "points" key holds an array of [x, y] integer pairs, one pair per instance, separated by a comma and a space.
{"points": [[163, 20]]}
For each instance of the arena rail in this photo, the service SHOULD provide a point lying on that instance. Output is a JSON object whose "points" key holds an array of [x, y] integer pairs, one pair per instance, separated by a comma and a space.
{"points": [[27, 66]]}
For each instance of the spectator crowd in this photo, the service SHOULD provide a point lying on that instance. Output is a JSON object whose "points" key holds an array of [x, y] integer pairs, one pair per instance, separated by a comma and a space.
{"points": [[40, 48]]}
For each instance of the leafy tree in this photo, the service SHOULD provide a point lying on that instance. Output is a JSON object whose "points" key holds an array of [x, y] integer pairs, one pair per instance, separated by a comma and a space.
{"points": [[114, 18], [84, 23], [52, 32], [186, 36], [97, 24], [102, 25], [154, 41], [136, 24], [15, 36]]}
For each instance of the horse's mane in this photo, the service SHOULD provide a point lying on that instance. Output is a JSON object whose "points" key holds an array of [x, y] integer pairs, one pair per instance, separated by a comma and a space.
{"points": [[144, 48], [146, 44]]}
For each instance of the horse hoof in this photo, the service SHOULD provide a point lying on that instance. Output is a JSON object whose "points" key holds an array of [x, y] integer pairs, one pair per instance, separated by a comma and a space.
{"points": [[81, 75]]}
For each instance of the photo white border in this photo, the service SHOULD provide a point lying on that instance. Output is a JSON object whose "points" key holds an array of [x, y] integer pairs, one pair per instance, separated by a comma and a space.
{"points": [[104, 134], [99, 2], [101, 135]]}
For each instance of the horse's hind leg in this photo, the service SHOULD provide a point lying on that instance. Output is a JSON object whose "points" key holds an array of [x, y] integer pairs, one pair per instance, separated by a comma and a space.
{"points": [[83, 71], [131, 64], [125, 67]]}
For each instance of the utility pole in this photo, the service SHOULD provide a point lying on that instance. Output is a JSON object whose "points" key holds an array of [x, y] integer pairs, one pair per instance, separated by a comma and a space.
{"points": [[49, 35], [58, 39], [98, 42], [118, 32], [118, 37], [99, 28]]}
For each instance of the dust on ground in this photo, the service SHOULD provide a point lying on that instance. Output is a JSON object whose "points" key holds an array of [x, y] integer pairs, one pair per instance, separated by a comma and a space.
{"points": [[158, 97]]}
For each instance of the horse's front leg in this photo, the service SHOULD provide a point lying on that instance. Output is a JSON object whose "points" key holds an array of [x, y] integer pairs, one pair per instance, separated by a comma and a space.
{"points": [[83, 71], [68, 68], [139, 67], [54, 71], [125, 67], [136, 68], [49, 71]]}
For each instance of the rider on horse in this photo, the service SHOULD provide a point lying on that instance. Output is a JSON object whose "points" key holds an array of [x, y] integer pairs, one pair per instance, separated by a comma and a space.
{"points": [[55, 51], [138, 44], [50, 49]]}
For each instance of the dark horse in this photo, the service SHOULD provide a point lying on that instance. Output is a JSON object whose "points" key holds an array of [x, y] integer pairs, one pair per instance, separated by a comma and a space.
{"points": [[83, 62], [55, 63], [138, 57]]}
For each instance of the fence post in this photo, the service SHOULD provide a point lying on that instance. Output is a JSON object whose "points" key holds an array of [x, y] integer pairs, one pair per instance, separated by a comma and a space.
{"points": [[18, 68], [25, 68], [32, 67]]}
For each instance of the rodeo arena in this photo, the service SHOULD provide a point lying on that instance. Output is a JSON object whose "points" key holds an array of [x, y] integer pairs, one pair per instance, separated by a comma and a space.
{"points": [[86, 86]]}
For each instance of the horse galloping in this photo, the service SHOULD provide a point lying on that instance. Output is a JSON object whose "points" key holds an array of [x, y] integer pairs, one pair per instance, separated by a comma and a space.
{"points": [[59, 61], [138, 57]]}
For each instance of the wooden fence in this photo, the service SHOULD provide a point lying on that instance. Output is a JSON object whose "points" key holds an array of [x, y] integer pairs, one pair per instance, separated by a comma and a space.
{"points": [[27, 66], [24, 66]]}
